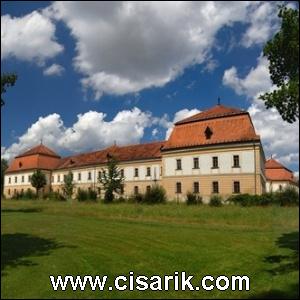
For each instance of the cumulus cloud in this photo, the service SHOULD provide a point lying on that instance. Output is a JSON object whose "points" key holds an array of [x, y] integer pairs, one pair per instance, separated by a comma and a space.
{"points": [[263, 23], [90, 132], [125, 47], [257, 80], [54, 69], [29, 38], [279, 138]]}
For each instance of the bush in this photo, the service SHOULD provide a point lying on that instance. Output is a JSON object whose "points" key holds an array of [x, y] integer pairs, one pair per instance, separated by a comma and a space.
{"points": [[193, 199], [108, 196], [136, 198], [288, 197], [155, 195], [216, 201], [56, 196], [82, 195], [241, 199], [121, 199], [86, 195], [92, 195]]}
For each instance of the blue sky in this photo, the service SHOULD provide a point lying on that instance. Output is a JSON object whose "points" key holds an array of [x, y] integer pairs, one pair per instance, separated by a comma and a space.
{"points": [[144, 70]]}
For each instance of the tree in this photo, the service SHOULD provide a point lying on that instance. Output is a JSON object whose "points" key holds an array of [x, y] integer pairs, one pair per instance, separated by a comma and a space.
{"points": [[282, 52], [68, 185], [38, 180], [4, 166], [7, 80], [111, 179]]}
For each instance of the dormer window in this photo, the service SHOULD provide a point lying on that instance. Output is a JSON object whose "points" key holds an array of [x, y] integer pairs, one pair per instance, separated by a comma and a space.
{"points": [[20, 164], [208, 133]]}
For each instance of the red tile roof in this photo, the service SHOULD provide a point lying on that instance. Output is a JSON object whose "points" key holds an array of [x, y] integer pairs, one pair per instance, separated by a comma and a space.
{"points": [[40, 149], [217, 111], [32, 162], [122, 154], [227, 125], [275, 171]]}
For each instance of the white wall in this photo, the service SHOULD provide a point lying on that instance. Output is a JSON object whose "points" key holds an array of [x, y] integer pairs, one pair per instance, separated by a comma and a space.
{"points": [[19, 179], [225, 160], [128, 174], [274, 186]]}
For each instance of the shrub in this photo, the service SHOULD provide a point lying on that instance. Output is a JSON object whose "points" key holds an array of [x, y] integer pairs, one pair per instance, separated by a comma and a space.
{"points": [[92, 195], [193, 199], [82, 195], [29, 194], [121, 199], [288, 197], [216, 201], [265, 199], [241, 199], [155, 195], [136, 198], [56, 196]]}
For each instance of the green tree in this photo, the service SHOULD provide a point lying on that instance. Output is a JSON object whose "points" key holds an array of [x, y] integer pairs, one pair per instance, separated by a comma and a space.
{"points": [[111, 179], [4, 166], [38, 180], [68, 185], [282, 52], [7, 80]]}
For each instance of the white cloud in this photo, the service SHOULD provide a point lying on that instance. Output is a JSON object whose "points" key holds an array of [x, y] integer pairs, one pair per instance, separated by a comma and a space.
{"points": [[90, 132], [29, 38], [264, 23], [278, 137], [125, 47], [257, 80], [54, 69]]}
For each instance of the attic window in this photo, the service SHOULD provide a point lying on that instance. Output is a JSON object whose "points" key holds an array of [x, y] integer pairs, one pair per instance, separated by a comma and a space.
{"points": [[208, 133], [72, 161], [20, 164]]}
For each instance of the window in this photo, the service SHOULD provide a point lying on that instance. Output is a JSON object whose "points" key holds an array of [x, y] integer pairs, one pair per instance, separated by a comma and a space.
{"points": [[136, 190], [236, 187], [148, 188], [280, 188], [58, 178], [99, 174], [122, 172], [22, 178], [79, 176], [8, 191], [65, 176], [196, 163], [148, 171], [136, 172], [178, 164], [215, 187], [16, 179], [9, 180], [122, 189], [236, 161], [178, 187], [208, 133], [29, 178], [215, 162], [89, 176], [196, 187]]}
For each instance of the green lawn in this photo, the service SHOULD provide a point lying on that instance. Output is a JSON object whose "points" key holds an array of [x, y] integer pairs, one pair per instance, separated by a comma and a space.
{"points": [[40, 238]]}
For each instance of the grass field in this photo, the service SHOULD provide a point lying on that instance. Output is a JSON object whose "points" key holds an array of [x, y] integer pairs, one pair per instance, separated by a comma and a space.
{"points": [[40, 238]]}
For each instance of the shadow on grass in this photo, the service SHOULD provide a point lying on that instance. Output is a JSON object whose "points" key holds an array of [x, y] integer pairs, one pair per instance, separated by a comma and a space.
{"points": [[282, 265], [23, 210], [18, 247], [286, 263]]}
